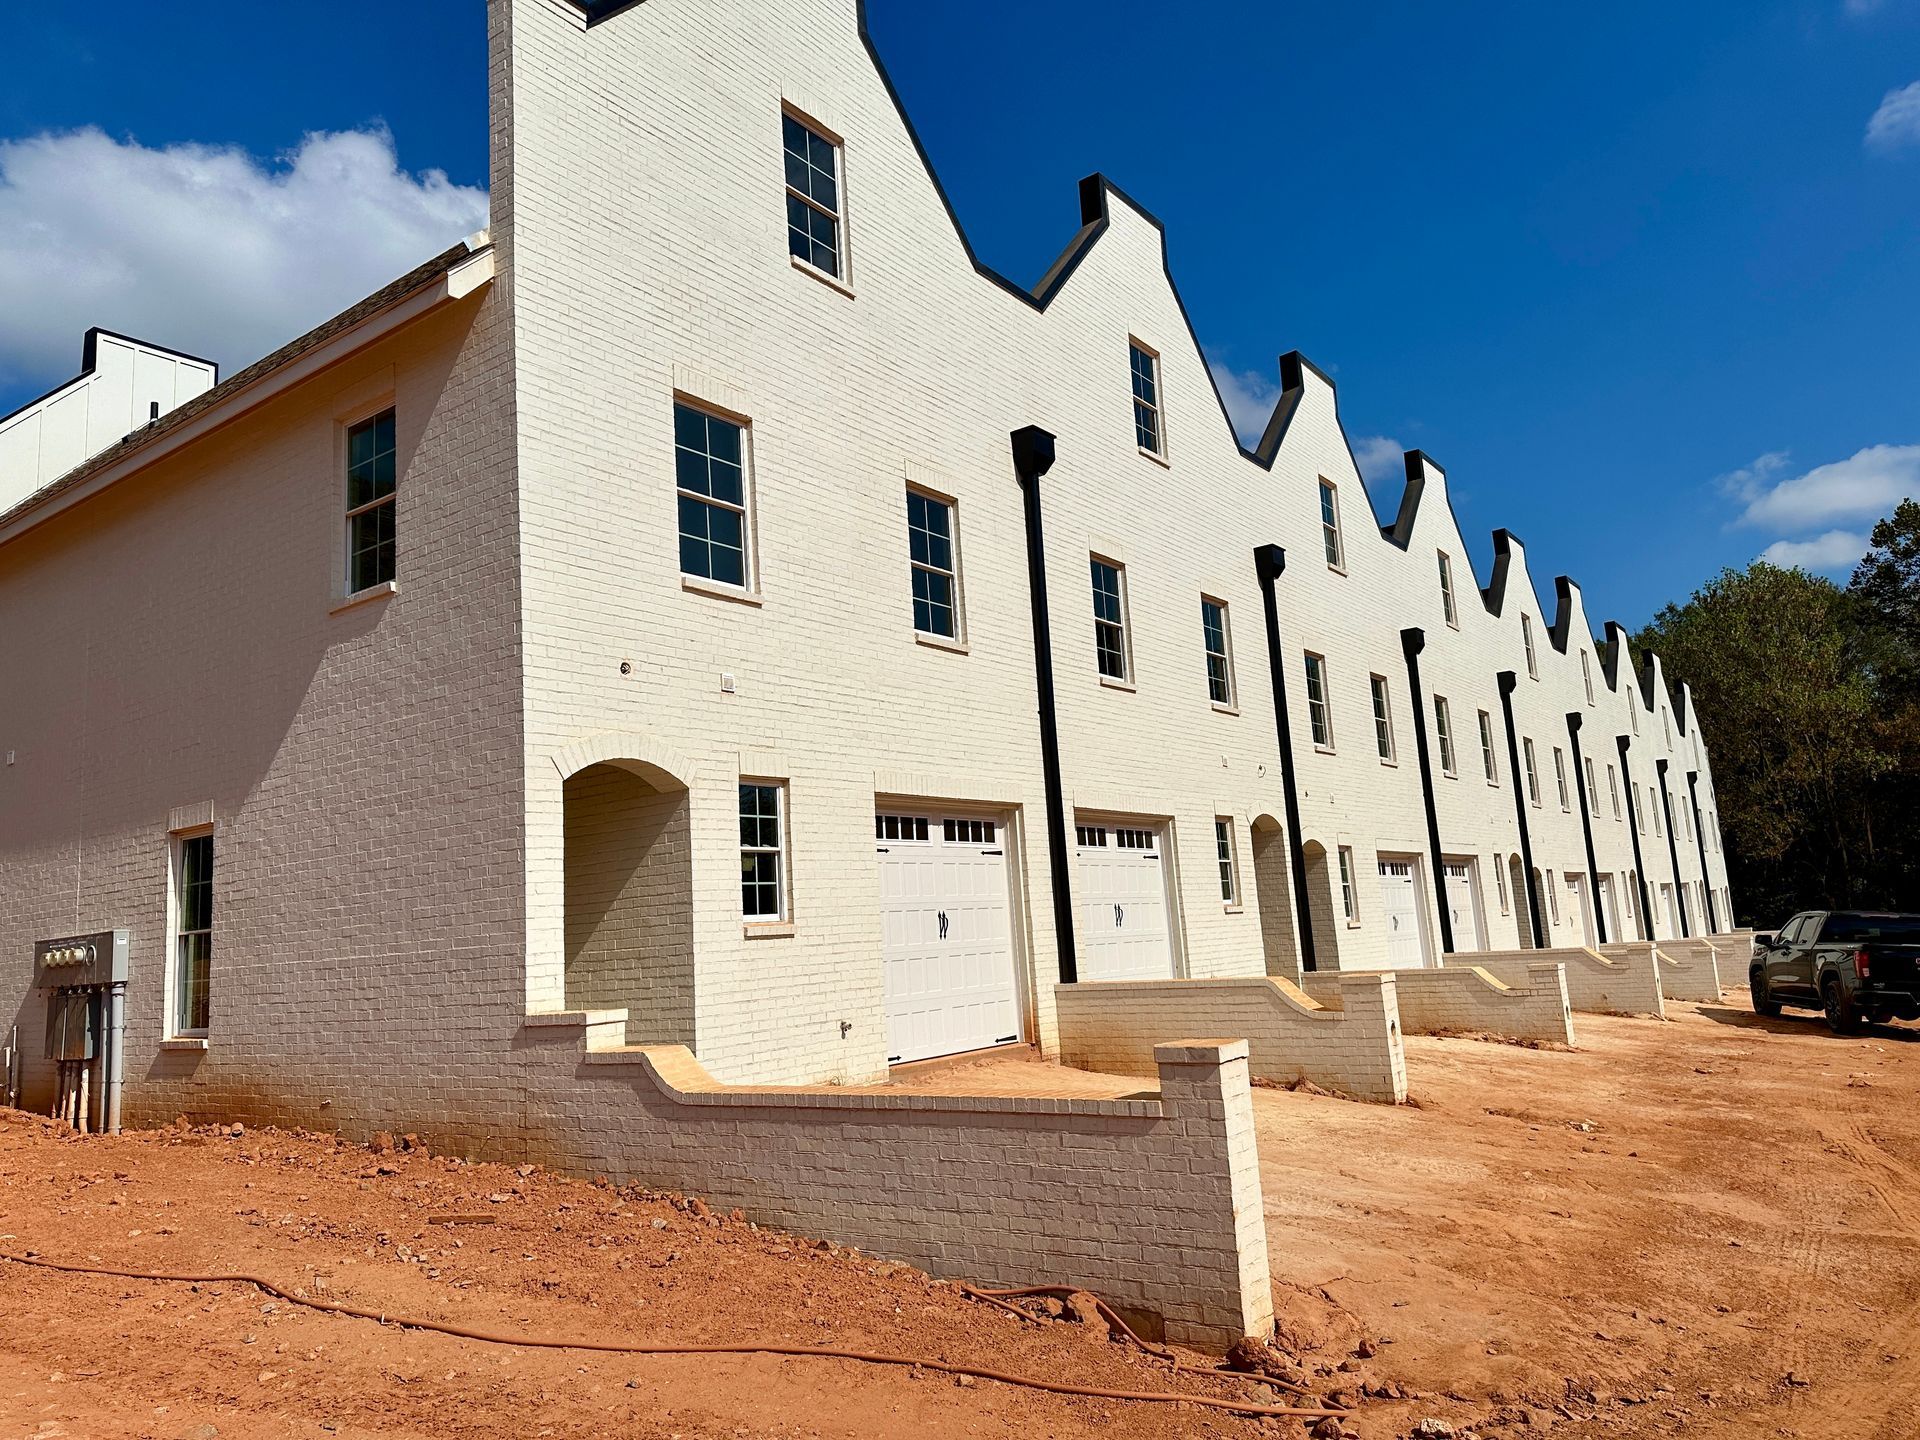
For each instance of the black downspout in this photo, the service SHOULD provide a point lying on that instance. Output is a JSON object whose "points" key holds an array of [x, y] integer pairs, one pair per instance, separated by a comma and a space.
{"points": [[1586, 821], [1269, 561], [1633, 829], [1412, 642], [1673, 848], [1032, 458], [1700, 838], [1508, 681]]}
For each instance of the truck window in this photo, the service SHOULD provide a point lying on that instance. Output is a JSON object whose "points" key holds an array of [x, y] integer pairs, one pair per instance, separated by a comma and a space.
{"points": [[1861, 929]]}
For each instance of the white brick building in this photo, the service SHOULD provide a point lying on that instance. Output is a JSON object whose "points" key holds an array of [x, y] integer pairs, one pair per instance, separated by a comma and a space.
{"points": [[625, 611]]}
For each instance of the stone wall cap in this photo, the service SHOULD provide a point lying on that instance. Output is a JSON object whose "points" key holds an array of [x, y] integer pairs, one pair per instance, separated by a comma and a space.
{"points": [[1200, 1052]]}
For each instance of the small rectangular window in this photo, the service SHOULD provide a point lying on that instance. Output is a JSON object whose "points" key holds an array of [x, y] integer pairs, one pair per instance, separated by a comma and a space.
{"points": [[1148, 431], [1613, 790], [372, 552], [1319, 715], [710, 477], [1586, 675], [1653, 805], [1382, 717], [1526, 638], [1223, 852], [813, 196], [192, 934], [1213, 632], [1448, 607], [936, 590], [1560, 778], [1091, 837], [763, 885], [899, 827], [1553, 900], [1489, 760], [1500, 882], [1348, 906], [1110, 618], [1593, 790], [1330, 526], [1443, 728], [1533, 772]]}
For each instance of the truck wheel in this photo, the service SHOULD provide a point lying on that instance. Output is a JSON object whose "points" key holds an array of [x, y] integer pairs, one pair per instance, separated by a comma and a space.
{"points": [[1763, 1003], [1843, 1017]]}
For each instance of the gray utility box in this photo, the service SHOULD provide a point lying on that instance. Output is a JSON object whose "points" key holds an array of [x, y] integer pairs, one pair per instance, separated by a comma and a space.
{"points": [[79, 960]]}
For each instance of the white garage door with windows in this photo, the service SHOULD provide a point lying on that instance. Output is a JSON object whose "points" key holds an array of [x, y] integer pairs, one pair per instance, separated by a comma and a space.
{"points": [[1400, 908], [1463, 904], [946, 934], [1121, 920]]}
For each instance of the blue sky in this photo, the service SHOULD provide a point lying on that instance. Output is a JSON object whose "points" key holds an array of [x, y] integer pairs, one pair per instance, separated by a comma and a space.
{"points": [[1643, 277]]}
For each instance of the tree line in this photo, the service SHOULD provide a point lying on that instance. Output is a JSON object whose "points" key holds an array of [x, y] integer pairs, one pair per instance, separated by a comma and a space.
{"points": [[1809, 696]]}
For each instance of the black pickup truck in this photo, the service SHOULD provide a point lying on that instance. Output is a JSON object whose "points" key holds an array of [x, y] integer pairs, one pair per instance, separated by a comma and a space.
{"points": [[1853, 964]]}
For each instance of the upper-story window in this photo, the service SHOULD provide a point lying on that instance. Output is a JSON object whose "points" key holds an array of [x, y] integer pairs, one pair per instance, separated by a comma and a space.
{"points": [[1593, 790], [763, 867], [936, 588], [1633, 710], [1330, 526], [1349, 907], [1613, 790], [1653, 805], [813, 196], [1533, 771], [1110, 619], [1488, 760], [1526, 638], [711, 477], [1382, 717], [371, 549], [1586, 675], [1666, 722], [1560, 778], [1223, 853], [1448, 606], [1443, 727], [1319, 711], [1213, 634], [1148, 429]]}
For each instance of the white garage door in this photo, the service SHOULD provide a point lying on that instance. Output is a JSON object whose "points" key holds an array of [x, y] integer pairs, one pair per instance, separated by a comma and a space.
{"points": [[1400, 907], [946, 935], [1463, 904], [1582, 909], [1121, 917], [1610, 907]]}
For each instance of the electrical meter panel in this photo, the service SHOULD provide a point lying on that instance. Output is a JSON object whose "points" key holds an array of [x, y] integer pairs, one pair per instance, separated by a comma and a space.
{"points": [[99, 959]]}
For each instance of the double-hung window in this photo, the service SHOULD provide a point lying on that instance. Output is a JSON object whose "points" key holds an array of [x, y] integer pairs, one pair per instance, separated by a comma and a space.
{"points": [[1560, 778], [1489, 761], [1613, 790], [1586, 675], [1443, 728], [1593, 790], [1448, 606], [1382, 718], [1110, 619], [709, 457], [763, 889], [1223, 852], [1533, 771], [813, 196], [1149, 432], [1653, 804], [1330, 526], [936, 591], [371, 506], [1500, 882], [1526, 638], [192, 933], [1319, 714], [1349, 907], [1213, 633]]}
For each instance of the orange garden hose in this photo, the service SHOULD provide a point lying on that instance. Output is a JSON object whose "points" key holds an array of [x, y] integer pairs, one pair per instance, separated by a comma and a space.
{"points": [[1237, 1407]]}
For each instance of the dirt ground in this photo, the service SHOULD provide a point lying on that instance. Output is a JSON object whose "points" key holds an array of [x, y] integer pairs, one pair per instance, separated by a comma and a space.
{"points": [[1702, 1228]]}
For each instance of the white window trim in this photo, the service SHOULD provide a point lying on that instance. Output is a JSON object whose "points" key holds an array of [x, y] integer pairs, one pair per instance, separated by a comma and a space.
{"points": [[1227, 866], [1500, 884], [1489, 754], [1327, 746], [1157, 453], [957, 640], [1231, 705], [1526, 639], [1349, 895], [843, 282], [1125, 680], [749, 589], [343, 424], [1560, 780], [176, 854], [1380, 697], [1532, 761], [1449, 598], [781, 922], [1339, 563], [1443, 735]]}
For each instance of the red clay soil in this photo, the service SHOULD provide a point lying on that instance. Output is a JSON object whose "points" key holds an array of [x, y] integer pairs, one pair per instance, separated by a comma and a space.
{"points": [[1707, 1228]]}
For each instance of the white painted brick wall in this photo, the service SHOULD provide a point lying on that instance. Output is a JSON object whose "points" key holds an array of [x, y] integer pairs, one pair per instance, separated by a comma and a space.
{"points": [[1604, 985], [1465, 999]]}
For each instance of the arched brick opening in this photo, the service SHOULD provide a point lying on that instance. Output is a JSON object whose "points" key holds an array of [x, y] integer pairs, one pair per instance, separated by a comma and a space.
{"points": [[1273, 886]]}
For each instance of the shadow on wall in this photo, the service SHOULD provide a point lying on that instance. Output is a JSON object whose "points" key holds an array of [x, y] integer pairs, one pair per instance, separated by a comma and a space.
{"points": [[629, 899], [1273, 887], [1327, 930]]}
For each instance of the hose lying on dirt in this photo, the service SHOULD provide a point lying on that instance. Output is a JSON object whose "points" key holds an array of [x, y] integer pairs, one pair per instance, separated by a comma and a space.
{"points": [[1237, 1407]]}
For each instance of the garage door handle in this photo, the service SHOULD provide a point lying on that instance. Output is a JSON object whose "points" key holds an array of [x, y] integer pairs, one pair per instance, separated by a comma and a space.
{"points": [[943, 924], [1119, 916]]}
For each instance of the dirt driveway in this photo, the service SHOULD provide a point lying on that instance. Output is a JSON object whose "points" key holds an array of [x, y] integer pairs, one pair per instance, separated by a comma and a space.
{"points": [[1646, 1237]]}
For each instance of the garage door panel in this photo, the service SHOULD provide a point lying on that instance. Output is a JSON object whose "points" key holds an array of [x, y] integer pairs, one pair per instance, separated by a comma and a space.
{"points": [[1400, 909], [947, 937], [1463, 905], [1123, 919]]}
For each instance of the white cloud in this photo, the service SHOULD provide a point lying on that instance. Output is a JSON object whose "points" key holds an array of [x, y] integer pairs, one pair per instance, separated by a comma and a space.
{"points": [[205, 247], [1380, 458], [1897, 122], [1865, 486], [1824, 554], [1249, 398]]}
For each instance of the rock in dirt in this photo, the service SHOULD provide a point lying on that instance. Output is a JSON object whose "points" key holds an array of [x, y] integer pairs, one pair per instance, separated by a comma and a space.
{"points": [[1327, 1429], [1084, 1308], [1431, 1429], [1251, 1355]]}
